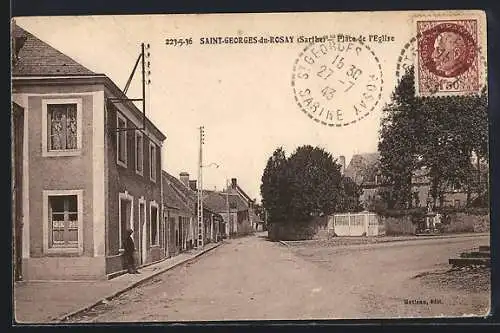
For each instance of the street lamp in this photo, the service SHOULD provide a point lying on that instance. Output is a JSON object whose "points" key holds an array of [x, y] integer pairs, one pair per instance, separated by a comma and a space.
{"points": [[213, 163]]}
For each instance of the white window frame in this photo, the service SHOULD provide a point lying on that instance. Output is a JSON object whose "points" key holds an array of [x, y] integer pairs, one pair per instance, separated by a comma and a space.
{"points": [[157, 240], [139, 172], [119, 117], [63, 152], [124, 196], [152, 162], [62, 250]]}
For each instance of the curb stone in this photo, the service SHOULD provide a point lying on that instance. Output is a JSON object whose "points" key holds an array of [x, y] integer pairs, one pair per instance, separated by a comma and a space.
{"points": [[106, 299]]}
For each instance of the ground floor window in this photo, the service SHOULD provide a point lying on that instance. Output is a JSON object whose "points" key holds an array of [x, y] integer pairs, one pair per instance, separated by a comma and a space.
{"points": [[62, 221]]}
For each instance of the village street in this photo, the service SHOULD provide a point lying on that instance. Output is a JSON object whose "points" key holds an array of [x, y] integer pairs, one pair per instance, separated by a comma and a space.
{"points": [[253, 278]]}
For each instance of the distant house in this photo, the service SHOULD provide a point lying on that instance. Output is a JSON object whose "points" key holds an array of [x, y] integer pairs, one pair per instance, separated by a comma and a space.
{"points": [[180, 215], [236, 208], [85, 171], [181, 204], [364, 170]]}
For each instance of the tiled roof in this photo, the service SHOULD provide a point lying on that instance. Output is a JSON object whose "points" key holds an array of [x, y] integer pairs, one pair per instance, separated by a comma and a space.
{"points": [[243, 193], [37, 58], [359, 163], [171, 197], [217, 201], [186, 197], [365, 165]]}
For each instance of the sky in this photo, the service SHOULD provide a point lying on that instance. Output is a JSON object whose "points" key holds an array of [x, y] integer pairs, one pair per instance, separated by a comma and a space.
{"points": [[242, 94]]}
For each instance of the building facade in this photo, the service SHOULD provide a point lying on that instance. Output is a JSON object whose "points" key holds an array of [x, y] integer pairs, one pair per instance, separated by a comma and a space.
{"points": [[236, 209], [180, 200], [86, 169]]}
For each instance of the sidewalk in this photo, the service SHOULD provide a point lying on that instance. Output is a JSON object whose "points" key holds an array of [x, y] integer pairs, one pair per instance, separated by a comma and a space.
{"points": [[53, 301]]}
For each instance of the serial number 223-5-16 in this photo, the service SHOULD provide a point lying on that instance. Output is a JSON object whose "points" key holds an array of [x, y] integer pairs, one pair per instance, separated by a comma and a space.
{"points": [[178, 41]]}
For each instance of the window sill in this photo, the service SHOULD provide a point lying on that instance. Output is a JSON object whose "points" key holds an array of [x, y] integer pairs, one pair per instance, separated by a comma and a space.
{"points": [[61, 153], [139, 173], [63, 250]]}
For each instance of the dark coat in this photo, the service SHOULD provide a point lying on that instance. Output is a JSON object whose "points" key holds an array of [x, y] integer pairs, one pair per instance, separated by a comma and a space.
{"points": [[128, 245]]}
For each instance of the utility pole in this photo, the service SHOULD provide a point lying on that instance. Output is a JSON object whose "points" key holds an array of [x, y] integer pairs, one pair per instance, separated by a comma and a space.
{"points": [[227, 207], [201, 228]]}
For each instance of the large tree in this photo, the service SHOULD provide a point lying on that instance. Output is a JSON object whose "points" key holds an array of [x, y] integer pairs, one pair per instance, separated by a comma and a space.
{"points": [[401, 125], [315, 183], [439, 135], [274, 186], [306, 184]]}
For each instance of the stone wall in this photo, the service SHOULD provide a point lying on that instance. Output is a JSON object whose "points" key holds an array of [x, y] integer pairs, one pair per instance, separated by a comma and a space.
{"points": [[401, 225], [463, 222], [388, 225]]}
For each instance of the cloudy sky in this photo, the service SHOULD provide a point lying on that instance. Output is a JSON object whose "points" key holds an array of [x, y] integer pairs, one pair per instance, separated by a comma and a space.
{"points": [[242, 94]]}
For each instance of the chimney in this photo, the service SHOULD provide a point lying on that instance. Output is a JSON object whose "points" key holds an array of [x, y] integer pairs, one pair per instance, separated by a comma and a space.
{"points": [[341, 161], [192, 185], [233, 183], [184, 177]]}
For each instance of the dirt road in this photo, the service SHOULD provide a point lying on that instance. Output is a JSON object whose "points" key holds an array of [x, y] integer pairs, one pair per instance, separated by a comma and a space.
{"points": [[252, 278]]}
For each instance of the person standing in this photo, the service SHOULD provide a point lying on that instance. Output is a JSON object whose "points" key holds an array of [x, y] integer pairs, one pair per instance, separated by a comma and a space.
{"points": [[129, 247]]}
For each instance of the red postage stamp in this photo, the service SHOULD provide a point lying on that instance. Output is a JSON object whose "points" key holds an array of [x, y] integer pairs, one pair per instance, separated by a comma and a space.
{"points": [[448, 57]]}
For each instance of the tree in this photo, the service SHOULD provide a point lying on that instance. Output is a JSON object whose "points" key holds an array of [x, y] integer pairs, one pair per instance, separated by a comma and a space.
{"points": [[397, 145], [440, 134], [315, 183], [306, 184], [274, 185], [350, 196]]}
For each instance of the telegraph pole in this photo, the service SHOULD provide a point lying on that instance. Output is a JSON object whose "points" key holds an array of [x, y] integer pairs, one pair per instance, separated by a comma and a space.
{"points": [[201, 229], [227, 207]]}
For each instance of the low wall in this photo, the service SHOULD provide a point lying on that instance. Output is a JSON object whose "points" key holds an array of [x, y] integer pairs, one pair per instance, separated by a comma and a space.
{"points": [[388, 225], [454, 223], [401, 225], [463, 222]]}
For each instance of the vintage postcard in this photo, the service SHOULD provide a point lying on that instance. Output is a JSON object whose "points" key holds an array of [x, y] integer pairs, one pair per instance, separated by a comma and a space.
{"points": [[221, 167]]}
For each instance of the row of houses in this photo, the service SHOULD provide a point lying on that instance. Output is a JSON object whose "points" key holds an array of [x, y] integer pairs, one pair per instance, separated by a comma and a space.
{"points": [[364, 170], [85, 169]]}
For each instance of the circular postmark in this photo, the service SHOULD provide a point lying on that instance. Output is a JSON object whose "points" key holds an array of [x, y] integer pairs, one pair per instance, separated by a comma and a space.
{"points": [[337, 83], [447, 49], [406, 58]]}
